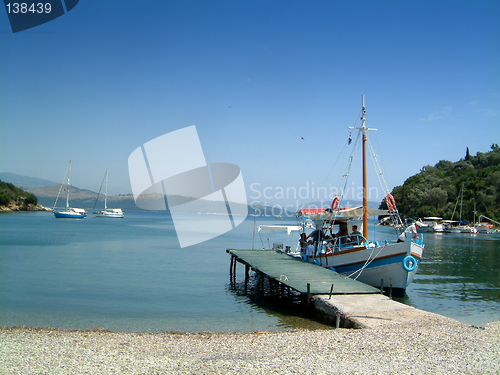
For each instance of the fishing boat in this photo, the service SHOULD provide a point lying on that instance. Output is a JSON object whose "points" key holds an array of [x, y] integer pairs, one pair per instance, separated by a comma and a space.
{"points": [[107, 212], [68, 212], [389, 264]]}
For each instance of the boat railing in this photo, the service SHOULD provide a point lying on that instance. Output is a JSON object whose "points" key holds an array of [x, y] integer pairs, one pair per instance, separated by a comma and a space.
{"points": [[338, 244], [343, 243]]}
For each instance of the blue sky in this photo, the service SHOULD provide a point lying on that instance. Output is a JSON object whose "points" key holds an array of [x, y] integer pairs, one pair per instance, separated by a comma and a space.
{"points": [[254, 77]]}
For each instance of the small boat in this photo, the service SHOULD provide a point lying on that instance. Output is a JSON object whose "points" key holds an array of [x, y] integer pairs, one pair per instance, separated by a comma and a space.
{"points": [[451, 226], [481, 227], [467, 229], [434, 224], [460, 226], [107, 212], [383, 264], [68, 212], [485, 227]]}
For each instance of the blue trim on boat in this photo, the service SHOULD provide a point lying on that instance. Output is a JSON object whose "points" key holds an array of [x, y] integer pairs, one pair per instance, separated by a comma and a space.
{"points": [[65, 215], [376, 263]]}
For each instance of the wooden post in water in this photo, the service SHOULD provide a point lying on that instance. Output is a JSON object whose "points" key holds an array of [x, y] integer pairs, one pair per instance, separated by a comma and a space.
{"points": [[231, 269], [234, 270]]}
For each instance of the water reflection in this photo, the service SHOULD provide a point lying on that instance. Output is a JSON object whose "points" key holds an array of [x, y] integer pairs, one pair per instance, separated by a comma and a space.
{"points": [[459, 278]]}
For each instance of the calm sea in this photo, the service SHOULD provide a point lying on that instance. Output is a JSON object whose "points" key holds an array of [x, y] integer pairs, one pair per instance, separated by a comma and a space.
{"points": [[130, 275]]}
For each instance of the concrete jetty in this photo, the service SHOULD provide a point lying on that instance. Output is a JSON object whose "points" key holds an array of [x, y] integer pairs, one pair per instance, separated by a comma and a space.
{"points": [[367, 311]]}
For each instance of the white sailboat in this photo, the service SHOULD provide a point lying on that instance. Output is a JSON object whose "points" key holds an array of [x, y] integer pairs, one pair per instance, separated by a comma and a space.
{"points": [[68, 212], [107, 212], [459, 227], [387, 264]]}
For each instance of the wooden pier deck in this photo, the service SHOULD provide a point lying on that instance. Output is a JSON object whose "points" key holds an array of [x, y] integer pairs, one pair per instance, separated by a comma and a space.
{"points": [[351, 304], [303, 277]]}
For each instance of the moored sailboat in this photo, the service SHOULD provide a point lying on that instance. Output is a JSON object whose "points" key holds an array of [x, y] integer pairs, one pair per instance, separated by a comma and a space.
{"points": [[387, 264], [107, 212], [68, 212]]}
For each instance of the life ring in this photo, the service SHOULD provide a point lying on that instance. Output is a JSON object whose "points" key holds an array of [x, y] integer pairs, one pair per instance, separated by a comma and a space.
{"points": [[335, 203], [409, 263], [391, 202]]}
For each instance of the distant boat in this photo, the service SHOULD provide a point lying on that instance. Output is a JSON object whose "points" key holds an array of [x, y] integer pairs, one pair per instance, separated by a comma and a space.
{"points": [[68, 212], [107, 212], [434, 223], [460, 226], [451, 226]]}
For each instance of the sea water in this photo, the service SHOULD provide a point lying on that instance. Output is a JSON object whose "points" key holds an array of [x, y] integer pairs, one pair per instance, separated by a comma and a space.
{"points": [[130, 275]]}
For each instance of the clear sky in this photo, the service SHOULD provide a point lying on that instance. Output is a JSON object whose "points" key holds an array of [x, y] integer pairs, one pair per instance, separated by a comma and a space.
{"points": [[255, 77]]}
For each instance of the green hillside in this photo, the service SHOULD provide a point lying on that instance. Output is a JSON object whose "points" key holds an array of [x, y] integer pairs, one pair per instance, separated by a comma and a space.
{"points": [[10, 194], [435, 190]]}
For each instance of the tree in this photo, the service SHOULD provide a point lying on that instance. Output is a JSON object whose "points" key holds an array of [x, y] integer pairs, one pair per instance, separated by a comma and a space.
{"points": [[434, 190]]}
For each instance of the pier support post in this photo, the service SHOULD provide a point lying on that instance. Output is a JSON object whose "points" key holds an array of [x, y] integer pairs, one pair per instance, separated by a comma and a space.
{"points": [[247, 277], [231, 269]]}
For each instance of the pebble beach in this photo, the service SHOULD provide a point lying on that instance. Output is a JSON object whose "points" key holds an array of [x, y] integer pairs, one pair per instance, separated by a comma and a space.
{"points": [[427, 346]]}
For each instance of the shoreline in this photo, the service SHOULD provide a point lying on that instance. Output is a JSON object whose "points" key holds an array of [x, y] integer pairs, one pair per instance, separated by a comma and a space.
{"points": [[427, 345]]}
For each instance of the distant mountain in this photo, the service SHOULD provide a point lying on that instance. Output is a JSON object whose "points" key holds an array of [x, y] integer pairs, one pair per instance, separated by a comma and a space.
{"points": [[47, 191], [25, 182]]}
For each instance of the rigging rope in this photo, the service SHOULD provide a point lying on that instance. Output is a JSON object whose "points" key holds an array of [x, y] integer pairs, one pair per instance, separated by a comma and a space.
{"points": [[60, 188]]}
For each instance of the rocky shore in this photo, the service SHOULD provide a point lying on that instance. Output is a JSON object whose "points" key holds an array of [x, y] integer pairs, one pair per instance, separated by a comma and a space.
{"points": [[427, 346], [15, 206]]}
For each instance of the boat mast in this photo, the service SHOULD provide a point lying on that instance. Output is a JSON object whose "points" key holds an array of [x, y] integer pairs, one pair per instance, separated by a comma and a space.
{"points": [[364, 130], [462, 201], [106, 192], [69, 183], [365, 187]]}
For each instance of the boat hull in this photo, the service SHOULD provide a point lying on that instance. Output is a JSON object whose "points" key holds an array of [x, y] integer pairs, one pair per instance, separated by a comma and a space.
{"points": [[381, 267], [69, 215], [438, 228], [108, 214]]}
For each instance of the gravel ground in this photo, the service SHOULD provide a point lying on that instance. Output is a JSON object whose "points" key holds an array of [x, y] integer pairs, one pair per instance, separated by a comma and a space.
{"points": [[427, 346]]}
